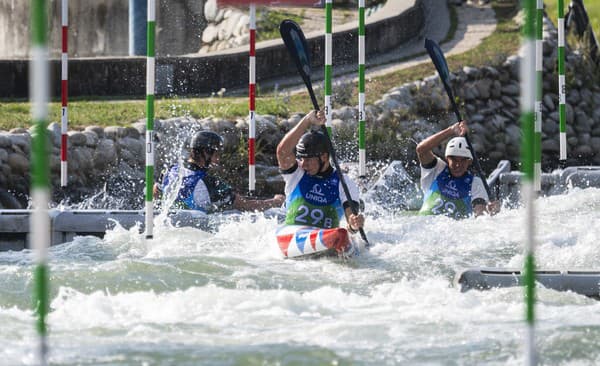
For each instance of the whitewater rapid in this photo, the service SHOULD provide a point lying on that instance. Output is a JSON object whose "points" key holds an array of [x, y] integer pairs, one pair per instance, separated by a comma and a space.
{"points": [[190, 297]]}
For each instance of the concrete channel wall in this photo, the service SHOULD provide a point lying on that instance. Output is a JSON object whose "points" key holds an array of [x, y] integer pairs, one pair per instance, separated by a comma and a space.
{"points": [[66, 225], [388, 28], [100, 28]]}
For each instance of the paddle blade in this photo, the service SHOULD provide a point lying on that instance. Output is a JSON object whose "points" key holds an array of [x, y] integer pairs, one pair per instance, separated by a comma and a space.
{"points": [[294, 40], [437, 56]]}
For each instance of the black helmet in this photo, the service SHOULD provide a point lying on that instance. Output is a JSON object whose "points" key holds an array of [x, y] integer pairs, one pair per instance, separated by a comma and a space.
{"points": [[312, 144], [206, 141]]}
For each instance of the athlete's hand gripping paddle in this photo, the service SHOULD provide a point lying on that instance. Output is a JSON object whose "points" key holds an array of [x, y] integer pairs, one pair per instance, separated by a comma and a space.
{"points": [[294, 40], [437, 56]]}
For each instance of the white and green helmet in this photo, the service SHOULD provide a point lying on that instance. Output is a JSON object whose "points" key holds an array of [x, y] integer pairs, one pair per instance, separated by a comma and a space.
{"points": [[458, 147]]}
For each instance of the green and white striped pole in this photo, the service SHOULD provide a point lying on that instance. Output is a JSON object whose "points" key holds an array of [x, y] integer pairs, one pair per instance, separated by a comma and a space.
{"points": [[537, 144], [39, 90], [528, 90], [562, 87], [328, 63], [362, 154], [150, 71]]}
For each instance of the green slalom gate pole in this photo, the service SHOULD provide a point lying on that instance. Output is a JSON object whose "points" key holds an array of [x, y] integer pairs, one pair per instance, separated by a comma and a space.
{"points": [[150, 71], [537, 143], [561, 84], [528, 90], [362, 154], [40, 182], [328, 63]]}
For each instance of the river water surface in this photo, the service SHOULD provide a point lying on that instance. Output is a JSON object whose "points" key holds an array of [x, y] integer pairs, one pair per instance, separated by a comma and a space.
{"points": [[189, 297]]}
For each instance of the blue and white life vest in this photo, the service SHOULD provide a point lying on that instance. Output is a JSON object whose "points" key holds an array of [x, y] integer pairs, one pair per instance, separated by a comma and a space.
{"points": [[185, 196], [449, 196], [315, 201]]}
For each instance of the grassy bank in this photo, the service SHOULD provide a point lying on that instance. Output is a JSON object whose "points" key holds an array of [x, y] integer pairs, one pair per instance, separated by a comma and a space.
{"points": [[108, 112]]}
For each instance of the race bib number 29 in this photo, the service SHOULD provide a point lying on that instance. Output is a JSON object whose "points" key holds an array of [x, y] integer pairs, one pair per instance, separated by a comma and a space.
{"points": [[442, 207], [314, 217]]}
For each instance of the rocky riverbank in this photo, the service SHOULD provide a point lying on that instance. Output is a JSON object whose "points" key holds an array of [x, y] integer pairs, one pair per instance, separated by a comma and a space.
{"points": [[106, 165]]}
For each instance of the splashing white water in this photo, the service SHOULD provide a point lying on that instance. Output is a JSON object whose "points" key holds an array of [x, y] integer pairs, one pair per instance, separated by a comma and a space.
{"points": [[189, 297]]}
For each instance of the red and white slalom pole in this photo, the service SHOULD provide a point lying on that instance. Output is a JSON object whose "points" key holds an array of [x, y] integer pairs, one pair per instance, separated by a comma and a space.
{"points": [[562, 86], [252, 103], [64, 83]]}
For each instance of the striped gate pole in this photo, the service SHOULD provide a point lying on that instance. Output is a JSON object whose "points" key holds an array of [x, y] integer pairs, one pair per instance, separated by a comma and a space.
{"points": [[39, 91], [252, 103], [362, 155], [537, 143], [150, 72], [528, 90], [64, 125], [562, 87], [328, 63]]}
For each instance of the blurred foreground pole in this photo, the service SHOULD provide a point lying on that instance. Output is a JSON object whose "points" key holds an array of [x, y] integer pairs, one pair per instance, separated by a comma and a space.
{"points": [[528, 91], [39, 89]]}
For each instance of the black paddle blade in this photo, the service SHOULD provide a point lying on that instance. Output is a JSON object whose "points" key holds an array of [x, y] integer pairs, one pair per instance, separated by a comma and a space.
{"points": [[294, 40], [437, 56]]}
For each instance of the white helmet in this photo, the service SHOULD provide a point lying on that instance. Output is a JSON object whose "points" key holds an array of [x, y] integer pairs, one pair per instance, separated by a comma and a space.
{"points": [[458, 147]]}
